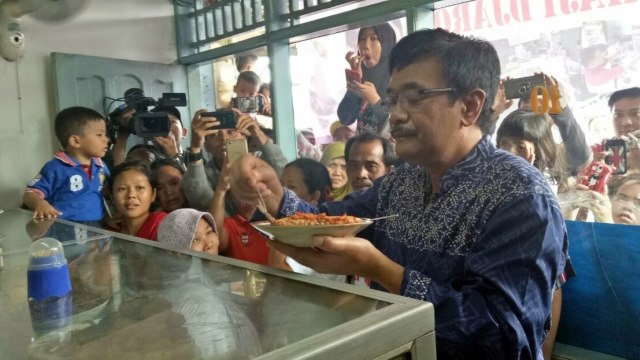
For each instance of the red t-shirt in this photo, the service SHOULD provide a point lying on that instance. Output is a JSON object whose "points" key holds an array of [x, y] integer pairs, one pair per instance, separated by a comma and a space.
{"points": [[245, 242], [149, 229]]}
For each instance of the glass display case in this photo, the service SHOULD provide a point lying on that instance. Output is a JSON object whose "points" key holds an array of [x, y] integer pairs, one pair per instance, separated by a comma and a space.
{"points": [[134, 298]]}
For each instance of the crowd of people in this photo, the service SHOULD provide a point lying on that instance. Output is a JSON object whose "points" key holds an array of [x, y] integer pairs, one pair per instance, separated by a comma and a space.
{"points": [[479, 232]]}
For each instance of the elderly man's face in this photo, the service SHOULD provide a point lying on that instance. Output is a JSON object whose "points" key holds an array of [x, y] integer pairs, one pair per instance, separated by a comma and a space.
{"points": [[425, 128], [626, 115], [215, 142], [366, 164]]}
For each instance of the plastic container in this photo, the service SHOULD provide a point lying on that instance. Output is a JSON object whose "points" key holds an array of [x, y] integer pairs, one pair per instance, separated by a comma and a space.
{"points": [[48, 286]]}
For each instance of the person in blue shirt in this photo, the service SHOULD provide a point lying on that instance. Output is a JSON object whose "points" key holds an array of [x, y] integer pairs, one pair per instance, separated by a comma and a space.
{"points": [[70, 185], [478, 231]]}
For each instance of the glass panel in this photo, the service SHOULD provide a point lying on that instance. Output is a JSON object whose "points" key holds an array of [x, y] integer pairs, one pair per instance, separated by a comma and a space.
{"points": [[131, 298], [18, 230]]}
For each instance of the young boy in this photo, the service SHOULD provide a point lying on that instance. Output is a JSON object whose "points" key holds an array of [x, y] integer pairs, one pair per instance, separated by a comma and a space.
{"points": [[69, 186]]}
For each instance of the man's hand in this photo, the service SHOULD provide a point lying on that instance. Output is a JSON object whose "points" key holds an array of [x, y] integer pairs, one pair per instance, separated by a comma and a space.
{"points": [[201, 128], [249, 127], [346, 256], [366, 90], [550, 82], [500, 103], [168, 144], [248, 175]]}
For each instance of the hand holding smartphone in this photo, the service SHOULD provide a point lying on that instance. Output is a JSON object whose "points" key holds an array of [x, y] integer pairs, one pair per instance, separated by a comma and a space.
{"points": [[617, 157], [597, 175], [521, 87], [235, 149], [227, 119], [353, 75]]}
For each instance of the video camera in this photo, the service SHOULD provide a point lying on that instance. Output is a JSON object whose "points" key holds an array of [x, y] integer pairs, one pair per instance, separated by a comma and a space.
{"points": [[144, 123]]}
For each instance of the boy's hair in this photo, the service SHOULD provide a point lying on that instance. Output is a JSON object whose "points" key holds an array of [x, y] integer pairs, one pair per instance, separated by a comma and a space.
{"points": [[71, 121], [616, 183], [131, 165], [315, 177], [243, 61], [160, 162], [532, 127], [250, 77], [632, 92], [388, 154], [467, 64]]}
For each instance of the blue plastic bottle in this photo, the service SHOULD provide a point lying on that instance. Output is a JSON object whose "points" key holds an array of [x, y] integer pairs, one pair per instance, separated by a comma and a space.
{"points": [[49, 286]]}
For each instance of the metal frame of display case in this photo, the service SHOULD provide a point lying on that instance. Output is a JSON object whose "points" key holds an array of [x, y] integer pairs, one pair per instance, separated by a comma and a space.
{"points": [[390, 332]]}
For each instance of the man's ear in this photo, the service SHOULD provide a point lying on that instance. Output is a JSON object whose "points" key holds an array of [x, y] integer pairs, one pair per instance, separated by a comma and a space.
{"points": [[472, 103], [74, 141], [184, 132]]}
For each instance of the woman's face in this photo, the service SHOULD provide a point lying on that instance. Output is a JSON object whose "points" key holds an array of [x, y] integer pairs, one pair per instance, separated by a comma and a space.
{"points": [[338, 172], [293, 179], [519, 147], [205, 239], [170, 193], [369, 47], [133, 194]]}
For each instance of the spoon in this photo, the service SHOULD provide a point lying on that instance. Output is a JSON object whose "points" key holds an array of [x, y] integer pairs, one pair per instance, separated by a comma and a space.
{"points": [[381, 217], [262, 207]]}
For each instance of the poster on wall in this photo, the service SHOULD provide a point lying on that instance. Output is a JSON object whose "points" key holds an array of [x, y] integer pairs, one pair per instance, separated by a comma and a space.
{"points": [[591, 47]]}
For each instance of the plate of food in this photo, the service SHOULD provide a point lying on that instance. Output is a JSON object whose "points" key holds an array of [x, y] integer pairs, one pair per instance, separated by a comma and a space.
{"points": [[299, 229]]}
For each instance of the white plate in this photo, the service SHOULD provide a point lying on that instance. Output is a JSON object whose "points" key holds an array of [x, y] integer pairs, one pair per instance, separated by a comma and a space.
{"points": [[302, 235]]}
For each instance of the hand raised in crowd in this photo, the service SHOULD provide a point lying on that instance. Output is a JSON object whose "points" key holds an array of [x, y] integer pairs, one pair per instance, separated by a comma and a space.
{"points": [[266, 108], [500, 103], [599, 204], [168, 144], [125, 117], [550, 82], [248, 126], [354, 60], [367, 90], [223, 185], [248, 175], [201, 127]]}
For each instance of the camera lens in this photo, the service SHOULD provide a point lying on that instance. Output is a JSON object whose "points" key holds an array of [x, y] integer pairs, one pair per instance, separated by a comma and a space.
{"points": [[524, 88]]}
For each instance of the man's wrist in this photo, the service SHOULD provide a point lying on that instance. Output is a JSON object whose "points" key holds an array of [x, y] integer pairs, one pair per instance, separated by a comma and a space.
{"points": [[193, 155]]}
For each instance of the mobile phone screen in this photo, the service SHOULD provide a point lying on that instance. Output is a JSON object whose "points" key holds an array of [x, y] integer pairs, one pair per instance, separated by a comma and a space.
{"points": [[236, 148]]}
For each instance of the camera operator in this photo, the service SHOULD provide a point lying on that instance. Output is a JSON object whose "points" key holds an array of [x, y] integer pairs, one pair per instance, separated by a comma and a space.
{"points": [[170, 146], [200, 178]]}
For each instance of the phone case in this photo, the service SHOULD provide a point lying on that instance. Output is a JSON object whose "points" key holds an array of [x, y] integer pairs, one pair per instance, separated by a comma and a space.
{"points": [[353, 75], [597, 176], [521, 87], [236, 148], [618, 155]]}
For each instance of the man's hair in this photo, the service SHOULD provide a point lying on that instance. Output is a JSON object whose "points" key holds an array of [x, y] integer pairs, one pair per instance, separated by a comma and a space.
{"points": [[467, 64], [72, 121], [155, 152], [242, 61], [315, 176], [388, 154], [160, 162], [131, 165], [632, 92], [171, 110], [250, 77]]}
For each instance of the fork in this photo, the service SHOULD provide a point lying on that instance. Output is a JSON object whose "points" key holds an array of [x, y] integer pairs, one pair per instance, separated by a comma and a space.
{"points": [[262, 207]]}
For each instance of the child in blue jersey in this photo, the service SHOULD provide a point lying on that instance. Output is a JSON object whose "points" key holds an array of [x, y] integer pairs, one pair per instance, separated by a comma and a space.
{"points": [[70, 185]]}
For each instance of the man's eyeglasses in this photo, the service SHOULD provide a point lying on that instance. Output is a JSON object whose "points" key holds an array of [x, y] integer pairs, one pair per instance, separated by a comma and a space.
{"points": [[410, 99]]}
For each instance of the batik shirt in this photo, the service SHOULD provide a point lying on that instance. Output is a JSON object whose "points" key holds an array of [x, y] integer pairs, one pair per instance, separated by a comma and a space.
{"points": [[486, 250]]}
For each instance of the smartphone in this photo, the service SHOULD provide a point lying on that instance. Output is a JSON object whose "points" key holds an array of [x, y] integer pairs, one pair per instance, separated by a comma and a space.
{"points": [[618, 155], [248, 104], [597, 175], [236, 148], [227, 119], [353, 75], [519, 88]]}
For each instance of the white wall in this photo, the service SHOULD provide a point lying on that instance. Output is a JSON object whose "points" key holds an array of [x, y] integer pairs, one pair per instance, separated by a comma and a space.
{"points": [[134, 30]]}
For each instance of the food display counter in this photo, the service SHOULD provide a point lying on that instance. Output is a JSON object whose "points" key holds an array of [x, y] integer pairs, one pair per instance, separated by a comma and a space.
{"points": [[134, 298]]}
